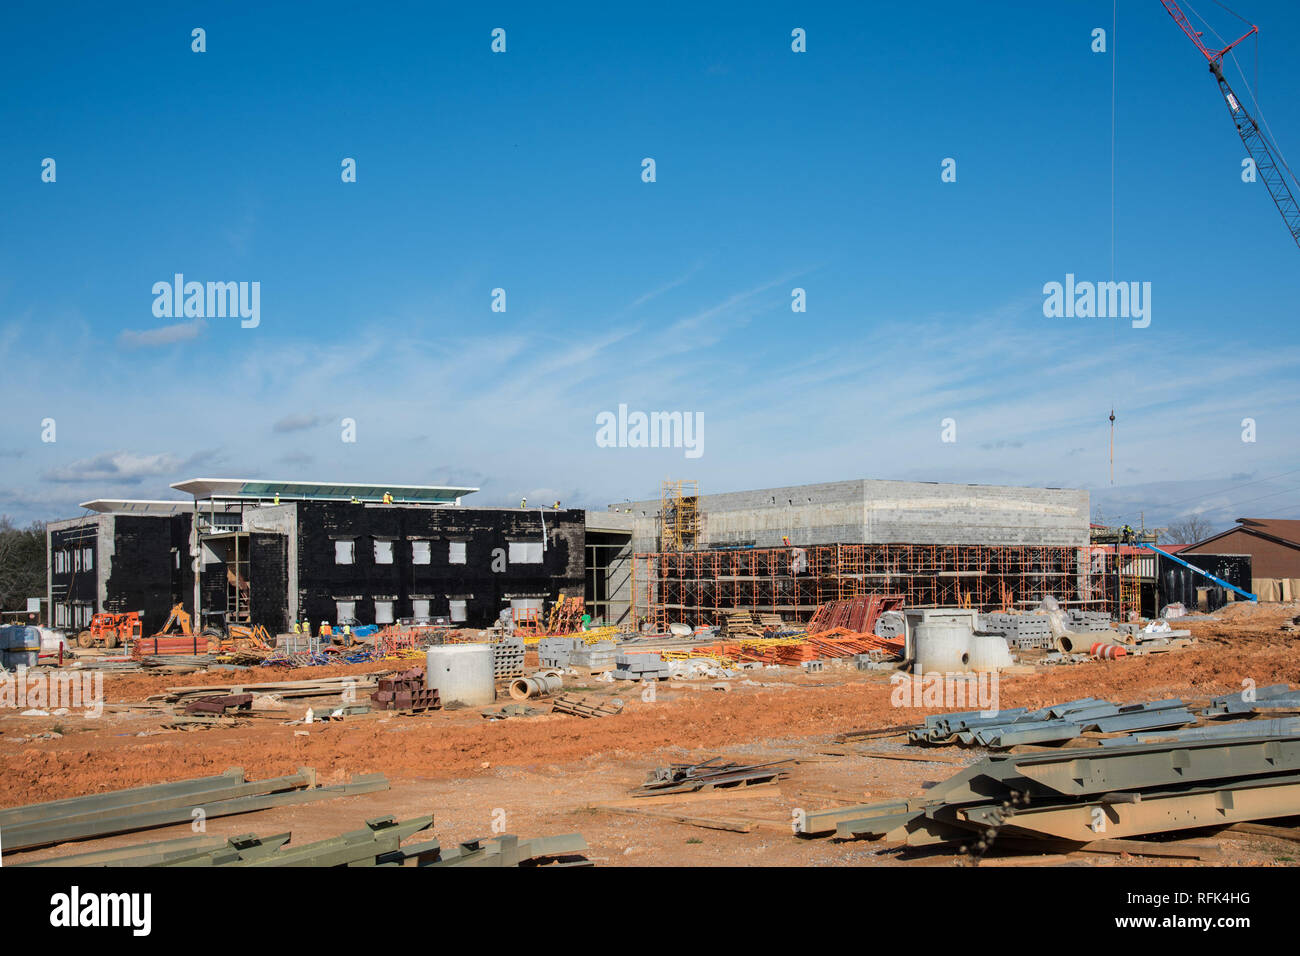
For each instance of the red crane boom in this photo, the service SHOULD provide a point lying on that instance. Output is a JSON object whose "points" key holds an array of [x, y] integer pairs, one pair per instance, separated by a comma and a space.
{"points": [[1256, 143]]}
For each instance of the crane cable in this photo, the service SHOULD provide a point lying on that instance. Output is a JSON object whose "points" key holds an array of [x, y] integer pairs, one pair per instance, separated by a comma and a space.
{"points": [[1114, 53]]}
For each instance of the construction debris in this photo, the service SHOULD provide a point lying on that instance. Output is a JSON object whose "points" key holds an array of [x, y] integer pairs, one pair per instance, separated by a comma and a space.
{"points": [[854, 616], [512, 710], [318, 687], [580, 706], [219, 704], [711, 774]]}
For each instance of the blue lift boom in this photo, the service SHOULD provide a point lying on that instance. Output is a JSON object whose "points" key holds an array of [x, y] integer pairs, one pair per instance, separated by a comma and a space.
{"points": [[1201, 571]]}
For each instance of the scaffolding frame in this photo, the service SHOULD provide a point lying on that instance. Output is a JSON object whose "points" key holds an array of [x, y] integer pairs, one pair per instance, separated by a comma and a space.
{"points": [[679, 515], [694, 587]]}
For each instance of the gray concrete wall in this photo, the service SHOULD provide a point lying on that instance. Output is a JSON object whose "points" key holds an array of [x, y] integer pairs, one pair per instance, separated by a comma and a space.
{"points": [[881, 512], [280, 519]]}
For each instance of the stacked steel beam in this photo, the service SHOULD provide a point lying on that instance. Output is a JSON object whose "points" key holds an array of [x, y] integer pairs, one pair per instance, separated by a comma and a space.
{"points": [[1079, 795]]}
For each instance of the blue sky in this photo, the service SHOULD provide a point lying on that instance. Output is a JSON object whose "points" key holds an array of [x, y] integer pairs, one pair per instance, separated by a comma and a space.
{"points": [[522, 170]]}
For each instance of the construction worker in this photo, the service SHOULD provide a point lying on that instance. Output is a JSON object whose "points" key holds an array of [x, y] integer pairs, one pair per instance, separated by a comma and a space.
{"points": [[523, 502], [306, 627], [556, 506], [347, 633], [388, 498], [356, 500], [277, 497], [297, 628], [325, 629]]}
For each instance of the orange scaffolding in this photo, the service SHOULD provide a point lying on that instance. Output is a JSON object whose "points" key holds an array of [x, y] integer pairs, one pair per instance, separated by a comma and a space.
{"points": [[693, 587]]}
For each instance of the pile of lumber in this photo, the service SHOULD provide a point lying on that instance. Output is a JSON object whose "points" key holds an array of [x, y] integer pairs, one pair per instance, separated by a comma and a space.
{"points": [[740, 623], [315, 687]]}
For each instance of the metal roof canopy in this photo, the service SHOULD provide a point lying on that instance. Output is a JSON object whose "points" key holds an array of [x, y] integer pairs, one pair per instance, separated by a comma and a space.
{"points": [[138, 506], [246, 489]]}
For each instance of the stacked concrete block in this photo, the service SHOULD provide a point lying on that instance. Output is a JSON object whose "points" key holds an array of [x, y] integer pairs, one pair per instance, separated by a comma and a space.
{"points": [[1020, 630], [593, 656], [555, 651], [508, 658], [1088, 621], [638, 667]]}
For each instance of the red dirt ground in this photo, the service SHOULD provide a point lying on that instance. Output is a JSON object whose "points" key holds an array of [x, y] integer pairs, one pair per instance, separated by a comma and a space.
{"points": [[547, 768]]}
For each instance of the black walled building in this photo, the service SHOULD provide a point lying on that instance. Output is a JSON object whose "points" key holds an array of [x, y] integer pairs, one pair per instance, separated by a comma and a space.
{"points": [[271, 552]]}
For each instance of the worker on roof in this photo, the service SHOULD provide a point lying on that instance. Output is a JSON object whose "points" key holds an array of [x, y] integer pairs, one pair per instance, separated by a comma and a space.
{"points": [[325, 629], [356, 500], [277, 497], [523, 502], [388, 498], [556, 506]]}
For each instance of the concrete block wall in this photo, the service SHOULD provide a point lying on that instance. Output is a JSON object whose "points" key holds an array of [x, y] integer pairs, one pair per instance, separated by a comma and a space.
{"points": [[925, 513], [872, 511]]}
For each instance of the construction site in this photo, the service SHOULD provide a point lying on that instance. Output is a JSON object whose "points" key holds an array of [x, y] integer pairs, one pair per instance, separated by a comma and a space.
{"points": [[844, 638], [772, 680]]}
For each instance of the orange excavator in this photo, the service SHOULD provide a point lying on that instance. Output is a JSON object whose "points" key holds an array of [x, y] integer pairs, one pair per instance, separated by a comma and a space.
{"points": [[110, 629], [178, 622]]}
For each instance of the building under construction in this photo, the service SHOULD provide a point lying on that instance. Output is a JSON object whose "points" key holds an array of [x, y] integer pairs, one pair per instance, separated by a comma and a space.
{"points": [[787, 550]]}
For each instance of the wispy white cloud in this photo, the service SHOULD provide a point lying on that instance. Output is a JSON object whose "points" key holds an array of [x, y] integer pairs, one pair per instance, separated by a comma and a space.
{"points": [[163, 335], [117, 467], [298, 423], [516, 409]]}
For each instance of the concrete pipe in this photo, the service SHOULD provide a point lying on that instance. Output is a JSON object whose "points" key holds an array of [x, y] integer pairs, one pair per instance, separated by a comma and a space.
{"points": [[539, 685], [1069, 643]]}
